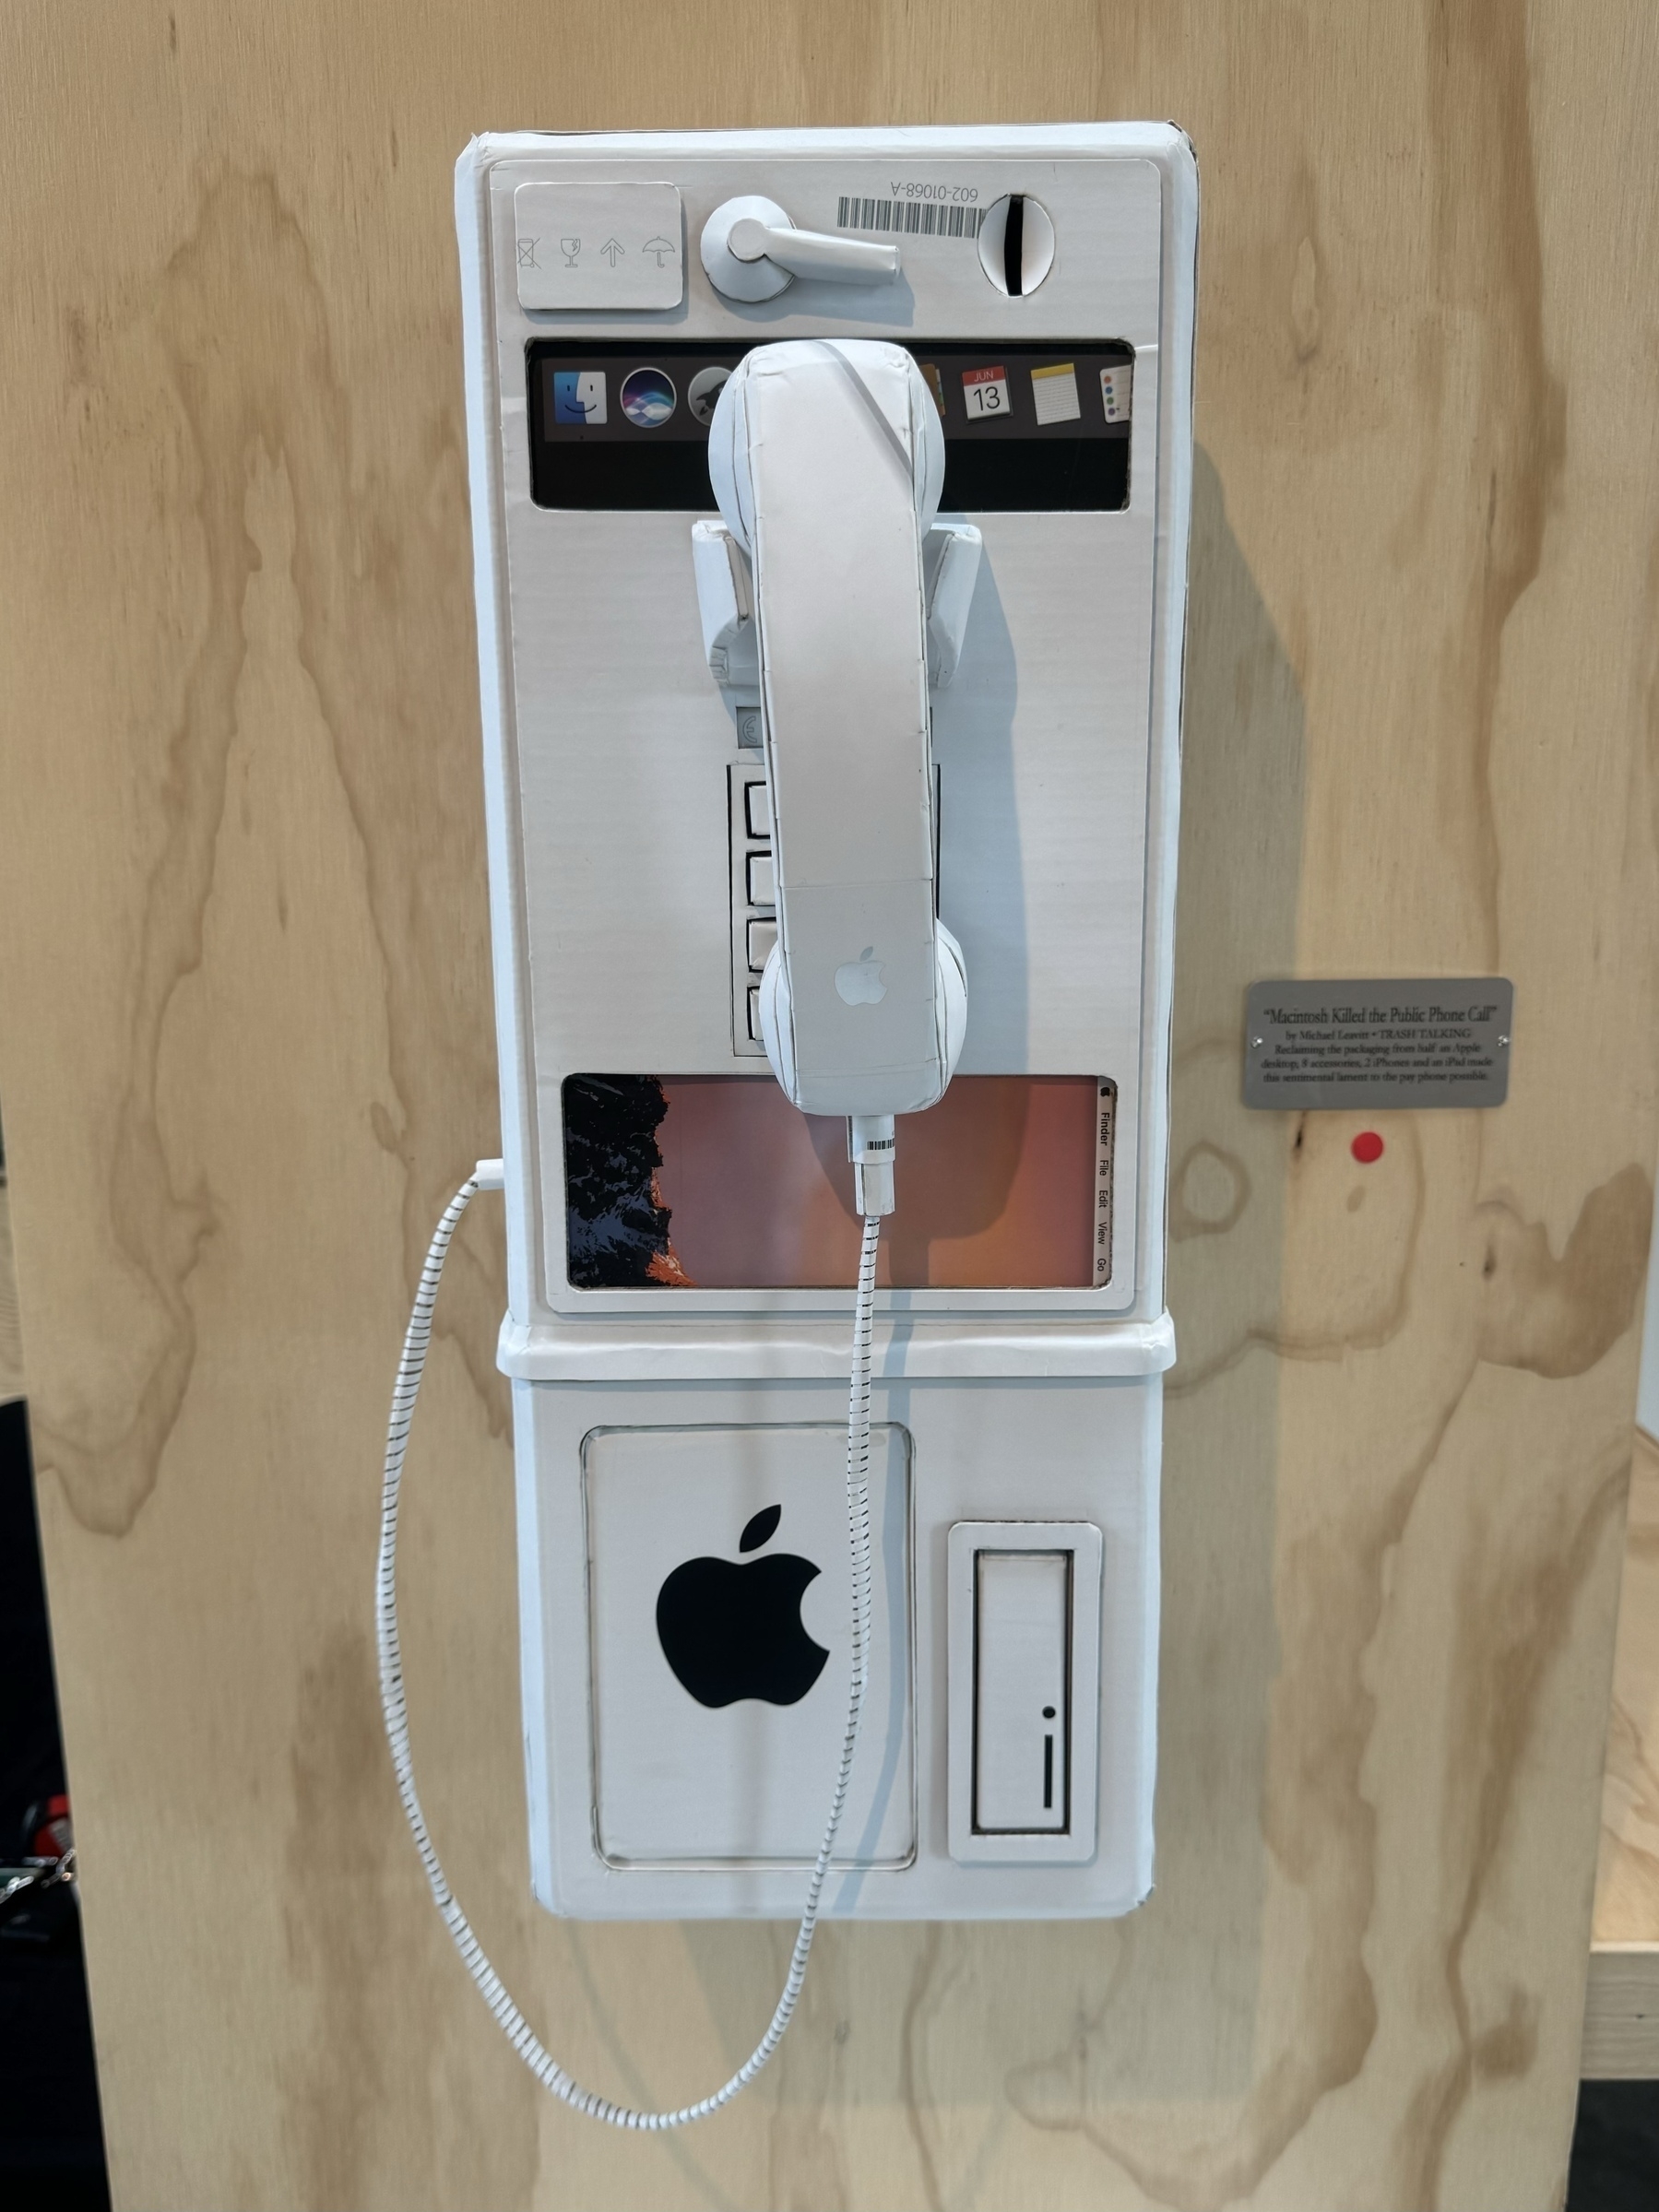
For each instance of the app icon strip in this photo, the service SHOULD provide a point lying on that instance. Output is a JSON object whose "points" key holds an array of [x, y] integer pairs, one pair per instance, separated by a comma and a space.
{"points": [[1054, 393], [1116, 384]]}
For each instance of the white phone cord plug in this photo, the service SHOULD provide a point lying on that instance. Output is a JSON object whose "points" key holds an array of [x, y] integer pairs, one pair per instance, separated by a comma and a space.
{"points": [[870, 1146], [487, 1176]]}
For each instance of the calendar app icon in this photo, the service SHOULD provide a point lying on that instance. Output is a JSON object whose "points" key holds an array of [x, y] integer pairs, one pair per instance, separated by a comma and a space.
{"points": [[985, 393]]}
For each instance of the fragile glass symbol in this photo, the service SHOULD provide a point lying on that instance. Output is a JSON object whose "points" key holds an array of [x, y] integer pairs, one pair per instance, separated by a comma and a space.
{"points": [[570, 248]]}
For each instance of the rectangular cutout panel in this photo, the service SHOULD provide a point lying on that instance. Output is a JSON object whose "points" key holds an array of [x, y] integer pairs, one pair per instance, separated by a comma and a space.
{"points": [[717, 1182], [1027, 429], [719, 1599]]}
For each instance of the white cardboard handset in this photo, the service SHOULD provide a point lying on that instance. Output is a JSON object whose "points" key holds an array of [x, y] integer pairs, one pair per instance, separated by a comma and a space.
{"points": [[827, 460]]}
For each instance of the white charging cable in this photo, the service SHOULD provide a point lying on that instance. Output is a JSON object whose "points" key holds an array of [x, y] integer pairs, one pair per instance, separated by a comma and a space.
{"points": [[487, 1176]]}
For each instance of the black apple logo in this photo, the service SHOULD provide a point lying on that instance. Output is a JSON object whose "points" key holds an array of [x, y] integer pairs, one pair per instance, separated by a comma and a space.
{"points": [[732, 1632]]}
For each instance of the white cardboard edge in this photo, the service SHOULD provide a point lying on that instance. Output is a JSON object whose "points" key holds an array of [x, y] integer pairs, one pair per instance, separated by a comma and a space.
{"points": [[1177, 338], [494, 661], [694, 1350], [1152, 138]]}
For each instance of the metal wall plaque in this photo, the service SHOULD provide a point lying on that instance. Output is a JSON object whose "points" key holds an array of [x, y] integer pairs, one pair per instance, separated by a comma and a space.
{"points": [[1438, 1042]]}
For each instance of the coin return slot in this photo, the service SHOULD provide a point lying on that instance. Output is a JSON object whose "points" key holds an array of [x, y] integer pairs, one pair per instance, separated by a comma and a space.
{"points": [[1022, 1612], [1024, 1689]]}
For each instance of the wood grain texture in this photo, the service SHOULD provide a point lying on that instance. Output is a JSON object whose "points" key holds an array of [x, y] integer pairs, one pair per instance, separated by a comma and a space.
{"points": [[245, 1051], [1621, 2006], [1627, 1881]]}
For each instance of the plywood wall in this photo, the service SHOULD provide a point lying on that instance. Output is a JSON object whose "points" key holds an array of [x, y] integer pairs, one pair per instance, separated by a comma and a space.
{"points": [[1627, 1884], [245, 1050]]}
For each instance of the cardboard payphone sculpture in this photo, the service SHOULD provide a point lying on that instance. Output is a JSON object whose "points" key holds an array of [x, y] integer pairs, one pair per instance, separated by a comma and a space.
{"points": [[829, 501]]}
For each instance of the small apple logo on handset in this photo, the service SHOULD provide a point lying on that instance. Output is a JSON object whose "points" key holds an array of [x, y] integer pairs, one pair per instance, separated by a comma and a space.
{"points": [[732, 1632], [858, 982]]}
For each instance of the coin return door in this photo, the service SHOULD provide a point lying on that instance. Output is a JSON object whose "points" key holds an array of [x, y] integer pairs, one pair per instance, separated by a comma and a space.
{"points": [[1025, 1690]]}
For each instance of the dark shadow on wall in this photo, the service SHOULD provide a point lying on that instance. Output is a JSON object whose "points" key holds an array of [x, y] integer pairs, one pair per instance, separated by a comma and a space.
{"points": [[1615, 2163], [1163, 2003], [1243, 765], [51, 2133], [1172, 2012]]}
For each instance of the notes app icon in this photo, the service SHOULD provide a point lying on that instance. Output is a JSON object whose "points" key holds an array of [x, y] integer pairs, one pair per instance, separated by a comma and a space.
{"points": [[1055, 393]]}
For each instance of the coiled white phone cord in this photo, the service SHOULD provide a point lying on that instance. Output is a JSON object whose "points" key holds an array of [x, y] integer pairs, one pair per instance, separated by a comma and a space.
{"points": [[487, 1175]]}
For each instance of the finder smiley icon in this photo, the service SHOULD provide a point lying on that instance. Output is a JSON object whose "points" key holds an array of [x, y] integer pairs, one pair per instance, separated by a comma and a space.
{"points": [[731, 1631]]}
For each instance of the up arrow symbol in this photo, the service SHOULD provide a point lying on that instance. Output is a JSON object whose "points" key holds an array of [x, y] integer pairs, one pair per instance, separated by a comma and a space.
{"points": [[612, 250]]}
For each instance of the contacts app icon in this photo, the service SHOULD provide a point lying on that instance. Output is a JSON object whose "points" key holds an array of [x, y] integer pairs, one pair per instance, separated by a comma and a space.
{"points": [[578, 396]]}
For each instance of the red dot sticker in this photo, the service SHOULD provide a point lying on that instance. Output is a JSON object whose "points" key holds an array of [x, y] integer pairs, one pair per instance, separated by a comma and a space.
{"points": [[1366, 1147]]}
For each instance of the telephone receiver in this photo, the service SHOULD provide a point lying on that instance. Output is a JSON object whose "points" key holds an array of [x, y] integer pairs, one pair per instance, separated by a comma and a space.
{"points": [[830, 599]]}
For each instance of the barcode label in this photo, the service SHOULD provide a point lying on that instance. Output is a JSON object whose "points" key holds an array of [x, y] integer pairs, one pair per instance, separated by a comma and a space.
{"points": [[926, 219]]}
